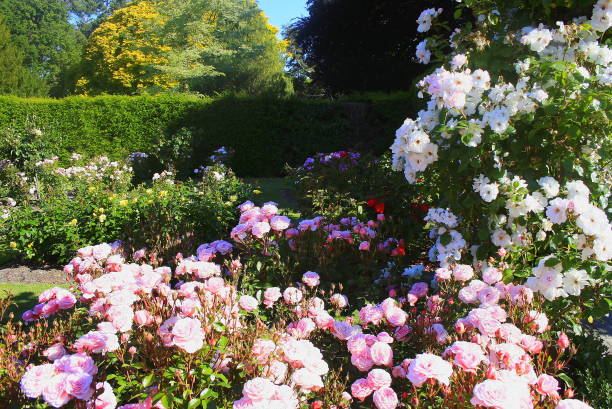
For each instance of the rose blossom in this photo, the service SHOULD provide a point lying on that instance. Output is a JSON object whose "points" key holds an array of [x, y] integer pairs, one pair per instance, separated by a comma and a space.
{"points": [[188, 334], [385, 398], [572, 404], [311, 279], [292, 295], [248, 303], [381, 354], [361, 389], [379, 378], [429, 366], [55, 351], [547, 385], [258, 389], [279, 223]]}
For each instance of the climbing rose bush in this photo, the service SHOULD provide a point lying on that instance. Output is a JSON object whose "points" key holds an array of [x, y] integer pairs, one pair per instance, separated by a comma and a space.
{"points": [[521, 152]]}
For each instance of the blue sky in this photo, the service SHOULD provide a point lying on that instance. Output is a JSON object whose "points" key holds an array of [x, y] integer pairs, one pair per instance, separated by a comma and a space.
{"points": [[281, 12]]}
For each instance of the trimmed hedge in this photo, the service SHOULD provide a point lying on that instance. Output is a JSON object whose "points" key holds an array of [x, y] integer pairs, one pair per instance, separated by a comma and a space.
{"points": [[266, 133]]}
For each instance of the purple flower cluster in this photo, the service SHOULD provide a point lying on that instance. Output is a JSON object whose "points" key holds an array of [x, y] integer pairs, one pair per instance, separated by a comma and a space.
{"points": [[343, 159]]}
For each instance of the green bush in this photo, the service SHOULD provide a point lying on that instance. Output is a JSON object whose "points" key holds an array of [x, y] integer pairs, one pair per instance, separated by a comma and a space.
{"points": [[94, 202], [266, 133]]}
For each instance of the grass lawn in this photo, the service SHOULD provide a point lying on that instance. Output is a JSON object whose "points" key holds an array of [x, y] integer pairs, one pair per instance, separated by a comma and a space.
{"points": [[279, 190], [25, 295]]}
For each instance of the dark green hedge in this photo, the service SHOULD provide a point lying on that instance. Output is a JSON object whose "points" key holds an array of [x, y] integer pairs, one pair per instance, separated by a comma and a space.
{"points": [[265, 132]]}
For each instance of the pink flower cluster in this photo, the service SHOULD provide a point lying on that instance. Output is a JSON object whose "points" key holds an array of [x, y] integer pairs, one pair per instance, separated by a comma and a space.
{"points": [[261, 393], [50, 302], [259, 221], [68, 377]]}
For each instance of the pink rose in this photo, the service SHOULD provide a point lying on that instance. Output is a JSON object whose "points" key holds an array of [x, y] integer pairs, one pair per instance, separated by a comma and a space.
{"points": [[361, 389], [531, 344], [371, 314], [258, 389], [442, 274], [429, 366], [379, 378], [547, 385], [279, 223], [364, 246], [188, 334], [248, 303], [381, 354], [463, 272], [402, 332], [491, 275], [259, 229], [363, 361], [339, 300], [143, 318], [34, 380], [572, 404], [101, 251], [262, 348], [292, 295], [214, 284], [467, 355], [107, 399], [492, 394], [307, 380], [385, 398], [55, 351], [54, 391], [311, 279], [76, 363], [78, 385]]}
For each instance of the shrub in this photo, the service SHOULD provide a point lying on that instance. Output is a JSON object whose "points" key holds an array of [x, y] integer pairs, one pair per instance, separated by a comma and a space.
{"points": [[94, 201], [522, 155], [266, 133]]}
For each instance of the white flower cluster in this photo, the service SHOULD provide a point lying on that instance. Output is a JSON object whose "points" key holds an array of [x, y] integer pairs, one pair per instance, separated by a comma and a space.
{"points": [[549, 280], [426, 18], [100, 168], [422, 53], [487, 191], [449, 242], [468, 96], [593, 230]]}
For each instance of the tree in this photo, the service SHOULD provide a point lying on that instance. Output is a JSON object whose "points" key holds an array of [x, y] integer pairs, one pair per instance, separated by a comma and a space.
{"points": [[50, 44], [359, 45], [223, 45], [15, 79], [122, 53], [204, 46], [89, 14]]}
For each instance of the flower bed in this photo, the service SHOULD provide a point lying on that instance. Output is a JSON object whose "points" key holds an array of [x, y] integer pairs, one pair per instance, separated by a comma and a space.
{"points": [[343, 310]]}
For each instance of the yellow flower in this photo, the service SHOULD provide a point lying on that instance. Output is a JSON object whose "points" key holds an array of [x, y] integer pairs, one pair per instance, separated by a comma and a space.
{"points": [[233, 198], [149, 191], [219, 218], [123, 203], [149, 201], [590, 319], [101, 210], [73, 222], [134, 200], [114, 195], [31, 244], [13, 244], [102, 218], [91, 188], [257, 191], [163, 193]]}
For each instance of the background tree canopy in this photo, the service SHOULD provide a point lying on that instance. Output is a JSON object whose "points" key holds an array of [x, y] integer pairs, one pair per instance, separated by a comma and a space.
{"points": [[359, 45], [50, 44], [204, 46]]}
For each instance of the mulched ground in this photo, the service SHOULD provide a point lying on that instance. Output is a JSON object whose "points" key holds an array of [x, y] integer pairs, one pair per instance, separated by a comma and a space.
{"points": [[26, 275]]}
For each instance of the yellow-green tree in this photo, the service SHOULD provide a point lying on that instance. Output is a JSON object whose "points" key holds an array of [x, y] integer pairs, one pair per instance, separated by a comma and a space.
{"points": [[122, 53], [204, 46]]}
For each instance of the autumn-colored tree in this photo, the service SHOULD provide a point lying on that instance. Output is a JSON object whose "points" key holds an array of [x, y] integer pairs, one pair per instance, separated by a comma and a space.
{"points": [[122, 53], [204, 46]]}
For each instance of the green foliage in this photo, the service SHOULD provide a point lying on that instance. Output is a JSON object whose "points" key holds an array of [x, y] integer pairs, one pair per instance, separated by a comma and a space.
{"points": [[66, 212], [50, 44], [16, 79], [189, 45], [266, 133]]}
